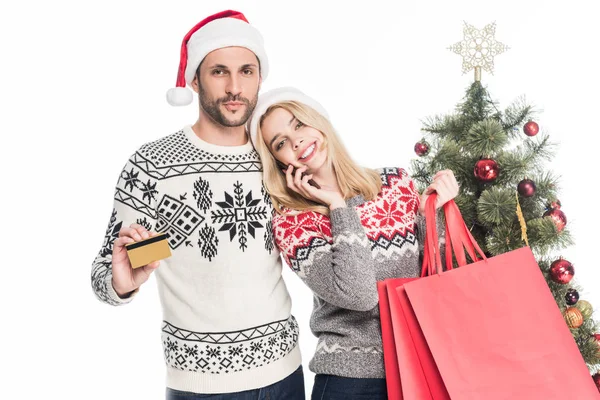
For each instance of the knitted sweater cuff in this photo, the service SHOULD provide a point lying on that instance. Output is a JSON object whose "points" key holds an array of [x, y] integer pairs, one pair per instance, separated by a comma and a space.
{"points": [[345, 219], [110, 290]]}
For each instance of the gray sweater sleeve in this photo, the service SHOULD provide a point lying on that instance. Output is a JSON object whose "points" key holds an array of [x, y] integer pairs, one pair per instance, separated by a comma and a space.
{"points": [[338, 268]]}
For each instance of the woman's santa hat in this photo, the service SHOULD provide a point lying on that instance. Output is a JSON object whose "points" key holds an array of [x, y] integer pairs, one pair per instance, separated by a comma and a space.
{"points": [[225, 29], [280, 95]]}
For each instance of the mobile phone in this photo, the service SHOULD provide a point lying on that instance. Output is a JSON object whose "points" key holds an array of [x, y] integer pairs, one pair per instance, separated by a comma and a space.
{"points": [[284, 167]]}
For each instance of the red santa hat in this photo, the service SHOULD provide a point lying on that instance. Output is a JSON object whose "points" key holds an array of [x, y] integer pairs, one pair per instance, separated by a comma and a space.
{"points": [[224, 29]]}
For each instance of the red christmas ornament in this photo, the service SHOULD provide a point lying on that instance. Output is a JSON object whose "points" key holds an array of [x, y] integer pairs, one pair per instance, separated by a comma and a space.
{"points": [[526, 187], [531, 128], [422, 148], [562, 271], [596, 337], [558, 217], [554, 204], [486, 170]]}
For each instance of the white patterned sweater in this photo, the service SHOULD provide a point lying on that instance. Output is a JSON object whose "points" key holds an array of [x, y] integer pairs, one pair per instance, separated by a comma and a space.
{"points": [[226, 325]]}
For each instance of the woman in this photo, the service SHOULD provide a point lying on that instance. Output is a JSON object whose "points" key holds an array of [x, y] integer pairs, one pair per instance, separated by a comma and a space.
{"points": [[355, 227]]}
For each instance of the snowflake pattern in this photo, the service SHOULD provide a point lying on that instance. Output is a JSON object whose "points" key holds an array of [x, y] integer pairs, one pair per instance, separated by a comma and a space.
{"points": [[387, 214], [203, 194], [394, 211], [268, 237], [226, 352], [101, 268], [266, 196], [239, 215], [149, 190], [131, 179], [389, 223], [208, 242], [112, 233]]}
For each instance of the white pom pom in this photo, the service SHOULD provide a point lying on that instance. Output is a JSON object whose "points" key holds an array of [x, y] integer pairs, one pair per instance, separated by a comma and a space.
{"points": [[179, 96]]}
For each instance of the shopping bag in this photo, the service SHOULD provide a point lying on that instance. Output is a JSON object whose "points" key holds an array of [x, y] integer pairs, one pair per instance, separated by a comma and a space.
{"points": [[487, 330], [408, 365], [399, 351], [390, 360]]}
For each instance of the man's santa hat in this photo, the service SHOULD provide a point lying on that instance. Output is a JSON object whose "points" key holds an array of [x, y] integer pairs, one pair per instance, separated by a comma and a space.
{"points": [[225, 29]]}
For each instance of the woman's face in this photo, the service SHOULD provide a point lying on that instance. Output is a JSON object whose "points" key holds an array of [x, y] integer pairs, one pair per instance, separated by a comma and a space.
{"points": [[292, 142]]}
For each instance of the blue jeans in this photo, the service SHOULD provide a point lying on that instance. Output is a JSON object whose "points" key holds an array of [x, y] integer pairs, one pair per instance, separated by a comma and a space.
{"points": [[291, 388], [330, 387]]}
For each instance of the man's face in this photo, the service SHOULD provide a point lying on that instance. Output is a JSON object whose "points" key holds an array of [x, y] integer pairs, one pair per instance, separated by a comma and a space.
{"points": [[228, 84]]}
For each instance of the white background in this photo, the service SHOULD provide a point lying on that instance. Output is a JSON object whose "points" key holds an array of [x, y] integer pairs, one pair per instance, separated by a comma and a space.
{"points": [[82, 86]]}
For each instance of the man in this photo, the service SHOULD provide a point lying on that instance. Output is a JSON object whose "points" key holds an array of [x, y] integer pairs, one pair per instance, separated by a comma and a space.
{"points": [[227, 326]]}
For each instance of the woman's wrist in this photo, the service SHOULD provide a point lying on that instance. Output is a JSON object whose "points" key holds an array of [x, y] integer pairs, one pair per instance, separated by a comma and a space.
{"points": [[337, 204]]}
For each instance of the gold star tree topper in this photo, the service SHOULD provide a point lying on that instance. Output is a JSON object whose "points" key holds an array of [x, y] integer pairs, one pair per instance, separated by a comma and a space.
{"points": [[478, 49]]}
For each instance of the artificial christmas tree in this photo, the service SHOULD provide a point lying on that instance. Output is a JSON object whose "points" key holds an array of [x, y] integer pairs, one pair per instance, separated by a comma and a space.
{"points": [[508, 198]]}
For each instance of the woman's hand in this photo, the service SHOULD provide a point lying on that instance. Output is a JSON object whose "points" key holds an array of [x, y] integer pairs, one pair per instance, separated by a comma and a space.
{"points": [[300, 185], [446, 187]]}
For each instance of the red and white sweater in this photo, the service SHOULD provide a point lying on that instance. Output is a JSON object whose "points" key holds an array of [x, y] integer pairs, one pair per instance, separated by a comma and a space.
{"points": [[341, 258]]}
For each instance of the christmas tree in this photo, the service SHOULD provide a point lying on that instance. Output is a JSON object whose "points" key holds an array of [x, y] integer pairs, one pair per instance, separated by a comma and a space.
{"points": [[507, 198]]}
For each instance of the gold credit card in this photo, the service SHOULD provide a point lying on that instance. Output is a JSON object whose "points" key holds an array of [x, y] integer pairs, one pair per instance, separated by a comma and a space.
{"points": [[148, 250]]}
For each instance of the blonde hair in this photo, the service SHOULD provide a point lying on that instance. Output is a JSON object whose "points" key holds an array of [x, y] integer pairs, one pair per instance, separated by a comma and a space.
{"points": [[351, 178]]}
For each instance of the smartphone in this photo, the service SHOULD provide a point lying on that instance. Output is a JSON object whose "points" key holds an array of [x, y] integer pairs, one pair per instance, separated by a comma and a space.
{"points": [[284, 167]]}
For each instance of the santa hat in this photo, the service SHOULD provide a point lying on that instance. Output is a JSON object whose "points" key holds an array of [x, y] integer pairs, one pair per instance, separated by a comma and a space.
{"points": [[276, 96], [225, 29]]}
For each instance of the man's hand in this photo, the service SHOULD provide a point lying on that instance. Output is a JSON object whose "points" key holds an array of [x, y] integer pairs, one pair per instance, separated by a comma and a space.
{"points": [[125, 279]]}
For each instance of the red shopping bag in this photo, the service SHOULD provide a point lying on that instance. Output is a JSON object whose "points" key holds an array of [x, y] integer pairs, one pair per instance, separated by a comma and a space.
{"points": [[408, 365], [390, 355], [491, 328], [400, 348]]}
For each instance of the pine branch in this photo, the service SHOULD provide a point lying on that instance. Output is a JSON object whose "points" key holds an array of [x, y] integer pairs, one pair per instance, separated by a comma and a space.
{"points": [[436, 125], [544, 236], [452, 156], [532, 207], [505, 238], [547, 185], [588, 345], [486, 137], [421, 174], [515, 115], [540, 149], [477, 104], [513, 167], [521, 162], [447, 127], [496, 206]]}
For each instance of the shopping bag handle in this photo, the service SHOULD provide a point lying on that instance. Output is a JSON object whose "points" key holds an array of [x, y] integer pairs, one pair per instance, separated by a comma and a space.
{"points": [[460, 233], [432, 262], [458, 238]]}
